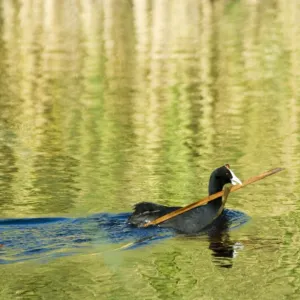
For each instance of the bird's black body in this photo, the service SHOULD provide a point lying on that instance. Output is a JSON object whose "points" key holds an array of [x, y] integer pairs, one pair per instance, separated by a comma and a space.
{"points": [[192, 221]]}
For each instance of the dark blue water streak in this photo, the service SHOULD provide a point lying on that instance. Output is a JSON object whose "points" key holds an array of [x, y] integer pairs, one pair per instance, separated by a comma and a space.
{"points": [[29, 238]]}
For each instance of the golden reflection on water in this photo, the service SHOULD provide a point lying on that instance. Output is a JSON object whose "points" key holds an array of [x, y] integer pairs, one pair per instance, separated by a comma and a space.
{"points": [[107, 103]]}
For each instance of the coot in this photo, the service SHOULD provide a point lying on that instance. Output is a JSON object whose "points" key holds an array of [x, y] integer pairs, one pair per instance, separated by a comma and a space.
{"points": [[194, 220]]}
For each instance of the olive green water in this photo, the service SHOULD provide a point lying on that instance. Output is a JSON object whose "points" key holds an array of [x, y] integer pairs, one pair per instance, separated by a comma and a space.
{"points": [[107, 103]]}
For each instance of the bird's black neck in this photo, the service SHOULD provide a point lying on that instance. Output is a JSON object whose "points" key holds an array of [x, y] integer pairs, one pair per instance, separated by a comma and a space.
{"points": [[215, 186]]}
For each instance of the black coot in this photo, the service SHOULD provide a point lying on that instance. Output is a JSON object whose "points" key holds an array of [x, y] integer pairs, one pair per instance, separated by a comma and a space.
{"points": [[192, 221]]}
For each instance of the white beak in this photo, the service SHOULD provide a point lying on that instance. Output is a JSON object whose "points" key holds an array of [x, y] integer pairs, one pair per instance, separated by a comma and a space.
{"points": [[234, 179]]}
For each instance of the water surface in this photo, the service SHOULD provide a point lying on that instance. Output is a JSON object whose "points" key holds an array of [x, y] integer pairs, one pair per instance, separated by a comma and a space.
{"points": [[107, 103]]}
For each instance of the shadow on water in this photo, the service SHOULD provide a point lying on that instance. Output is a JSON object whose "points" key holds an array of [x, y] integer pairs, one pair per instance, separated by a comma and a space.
{"points": [[24, 239], [222, 247]]}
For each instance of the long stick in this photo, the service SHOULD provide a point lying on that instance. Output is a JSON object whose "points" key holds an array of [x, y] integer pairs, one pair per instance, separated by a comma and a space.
{"points": [[210, 198]]}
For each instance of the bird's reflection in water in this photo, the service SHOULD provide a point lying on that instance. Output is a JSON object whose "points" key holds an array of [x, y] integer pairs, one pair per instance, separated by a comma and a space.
{"points": [[224, 250]]}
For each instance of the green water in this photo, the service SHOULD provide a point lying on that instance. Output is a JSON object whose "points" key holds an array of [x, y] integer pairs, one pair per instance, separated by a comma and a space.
{"points": [[107, 103]]}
